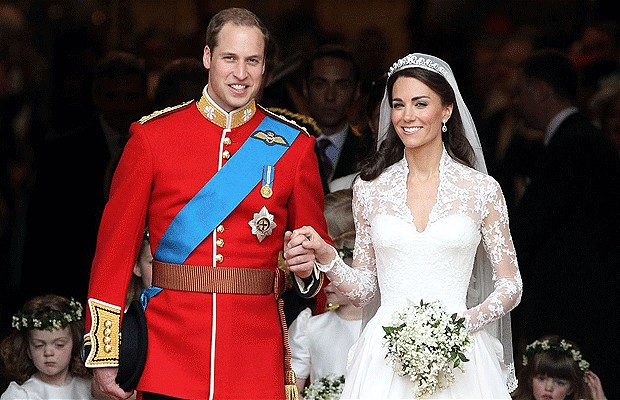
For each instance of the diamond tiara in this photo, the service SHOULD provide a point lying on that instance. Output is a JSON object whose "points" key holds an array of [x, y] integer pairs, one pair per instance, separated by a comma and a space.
{"points": [[416, 61]]}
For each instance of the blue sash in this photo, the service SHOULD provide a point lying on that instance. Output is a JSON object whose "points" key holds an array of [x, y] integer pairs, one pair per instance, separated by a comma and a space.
{"points": [[225, 190]]}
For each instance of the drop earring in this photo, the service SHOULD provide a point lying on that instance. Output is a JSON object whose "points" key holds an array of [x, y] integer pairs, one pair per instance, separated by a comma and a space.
{"points": [[444, 128]]}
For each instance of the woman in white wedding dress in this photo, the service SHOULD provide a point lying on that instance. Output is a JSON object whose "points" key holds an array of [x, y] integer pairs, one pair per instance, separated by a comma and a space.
{"points": [[430, 225]]}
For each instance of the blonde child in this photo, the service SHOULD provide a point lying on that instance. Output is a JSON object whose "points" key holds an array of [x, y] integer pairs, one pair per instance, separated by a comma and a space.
{"points": [[42, 353]]}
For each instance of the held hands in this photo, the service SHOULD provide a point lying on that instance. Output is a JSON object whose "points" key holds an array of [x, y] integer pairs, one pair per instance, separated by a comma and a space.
{"points": [[302, 247], [104, 380]]}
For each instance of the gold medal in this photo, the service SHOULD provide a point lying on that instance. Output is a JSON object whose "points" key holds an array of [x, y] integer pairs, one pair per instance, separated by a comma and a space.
{"points": [[266, 192]]}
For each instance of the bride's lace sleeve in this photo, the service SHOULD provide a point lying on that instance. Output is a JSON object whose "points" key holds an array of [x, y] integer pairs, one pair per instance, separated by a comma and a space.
{"points": [[499, 247], [358, 283]]}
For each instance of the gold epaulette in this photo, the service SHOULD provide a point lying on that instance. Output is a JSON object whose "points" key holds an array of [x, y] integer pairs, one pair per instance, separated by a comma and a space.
{"points": [[284, 119], [104, 336], [164, 111]]}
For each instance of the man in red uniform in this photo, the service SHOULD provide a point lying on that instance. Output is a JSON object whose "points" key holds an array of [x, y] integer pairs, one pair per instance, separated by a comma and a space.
{"points": [[218, 182]]}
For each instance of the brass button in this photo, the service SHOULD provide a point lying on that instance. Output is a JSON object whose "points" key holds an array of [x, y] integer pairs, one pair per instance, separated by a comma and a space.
{"points": [[219, 229], [107, 348], [226, 154], [227, 141], [219, 258], [219, 242]]}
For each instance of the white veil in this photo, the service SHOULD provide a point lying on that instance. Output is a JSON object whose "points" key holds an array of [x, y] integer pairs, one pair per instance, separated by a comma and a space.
{"points": [[481, 284]]}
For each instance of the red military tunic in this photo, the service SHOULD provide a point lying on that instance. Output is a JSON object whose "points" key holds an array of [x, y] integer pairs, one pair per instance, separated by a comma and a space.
{"points": [[200, 345]]}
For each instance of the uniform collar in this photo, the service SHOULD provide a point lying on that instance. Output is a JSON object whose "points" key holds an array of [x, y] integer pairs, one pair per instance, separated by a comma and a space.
{"points": [[214, 113]]}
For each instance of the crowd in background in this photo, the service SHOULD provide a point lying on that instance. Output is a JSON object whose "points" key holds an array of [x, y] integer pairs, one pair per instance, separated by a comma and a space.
{"points": [[53, 177]]}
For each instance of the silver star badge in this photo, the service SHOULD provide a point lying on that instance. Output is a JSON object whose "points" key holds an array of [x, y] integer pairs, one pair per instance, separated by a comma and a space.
{"points": [[262, 224]]}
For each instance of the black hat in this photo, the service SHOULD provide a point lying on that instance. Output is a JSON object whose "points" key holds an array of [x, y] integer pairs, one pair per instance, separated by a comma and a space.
{"points": [[132, 354]]}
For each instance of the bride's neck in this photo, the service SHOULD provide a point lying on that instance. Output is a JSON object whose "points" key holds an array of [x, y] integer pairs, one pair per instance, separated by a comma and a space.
{"points": [[423, 163]]}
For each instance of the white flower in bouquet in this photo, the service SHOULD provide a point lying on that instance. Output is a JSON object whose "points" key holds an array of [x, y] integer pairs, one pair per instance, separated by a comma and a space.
{"points": [[327, 388], [426, 344]]}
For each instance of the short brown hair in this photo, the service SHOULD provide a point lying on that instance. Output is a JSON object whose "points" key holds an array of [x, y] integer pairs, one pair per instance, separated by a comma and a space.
{"points": [[238, 16]]}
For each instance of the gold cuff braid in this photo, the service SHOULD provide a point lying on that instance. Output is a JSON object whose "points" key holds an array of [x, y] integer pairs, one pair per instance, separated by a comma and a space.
{"points": [[104, 336]]}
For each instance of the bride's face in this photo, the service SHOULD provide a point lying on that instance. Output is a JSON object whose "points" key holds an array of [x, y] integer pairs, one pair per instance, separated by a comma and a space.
{"points": [[417, 113]]}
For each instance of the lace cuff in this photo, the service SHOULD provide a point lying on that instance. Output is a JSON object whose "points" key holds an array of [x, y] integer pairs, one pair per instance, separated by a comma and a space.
{"points": [[327, 267], [358, 284], [503, 299]]}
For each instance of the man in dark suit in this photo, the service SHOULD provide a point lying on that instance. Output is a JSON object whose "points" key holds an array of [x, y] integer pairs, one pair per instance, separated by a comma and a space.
{"points": [[332, 86], [566, 226], [71, 183]]}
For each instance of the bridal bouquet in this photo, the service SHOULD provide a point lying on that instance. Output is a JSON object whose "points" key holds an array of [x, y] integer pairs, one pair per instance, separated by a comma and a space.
{"points": [[426, 344], [327, 388]]}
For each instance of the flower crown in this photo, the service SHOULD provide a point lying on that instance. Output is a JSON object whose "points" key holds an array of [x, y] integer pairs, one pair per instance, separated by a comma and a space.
{"points": [[48, 318], [416, 61], [561, 347]]}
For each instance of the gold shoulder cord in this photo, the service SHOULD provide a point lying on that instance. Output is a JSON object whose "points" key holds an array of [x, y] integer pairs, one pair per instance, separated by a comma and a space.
{"points": [[161, 112]]}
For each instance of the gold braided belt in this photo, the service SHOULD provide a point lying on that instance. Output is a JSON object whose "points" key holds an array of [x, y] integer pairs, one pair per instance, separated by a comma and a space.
{"points": [[199, 278]]}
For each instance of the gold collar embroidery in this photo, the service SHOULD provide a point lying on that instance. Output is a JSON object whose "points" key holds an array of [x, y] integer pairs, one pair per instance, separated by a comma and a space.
{"points": [[215, 114]]}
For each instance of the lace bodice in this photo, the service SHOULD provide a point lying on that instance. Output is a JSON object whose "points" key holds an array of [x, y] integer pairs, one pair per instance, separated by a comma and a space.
{"points": [[437, 263]]}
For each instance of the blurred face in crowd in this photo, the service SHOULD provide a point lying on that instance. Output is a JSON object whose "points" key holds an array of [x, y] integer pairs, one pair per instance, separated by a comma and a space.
{"points": [[526, 97], [236, 66], [331, 90], [121, 100]]}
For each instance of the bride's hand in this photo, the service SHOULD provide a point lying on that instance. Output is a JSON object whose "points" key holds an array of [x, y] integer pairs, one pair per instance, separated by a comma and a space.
{"points": [[301, 247]]}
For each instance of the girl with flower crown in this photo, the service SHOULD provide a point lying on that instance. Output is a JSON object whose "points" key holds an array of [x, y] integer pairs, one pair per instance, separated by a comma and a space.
{"points": [[42, 353], [554, 369], [431, 229]]}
